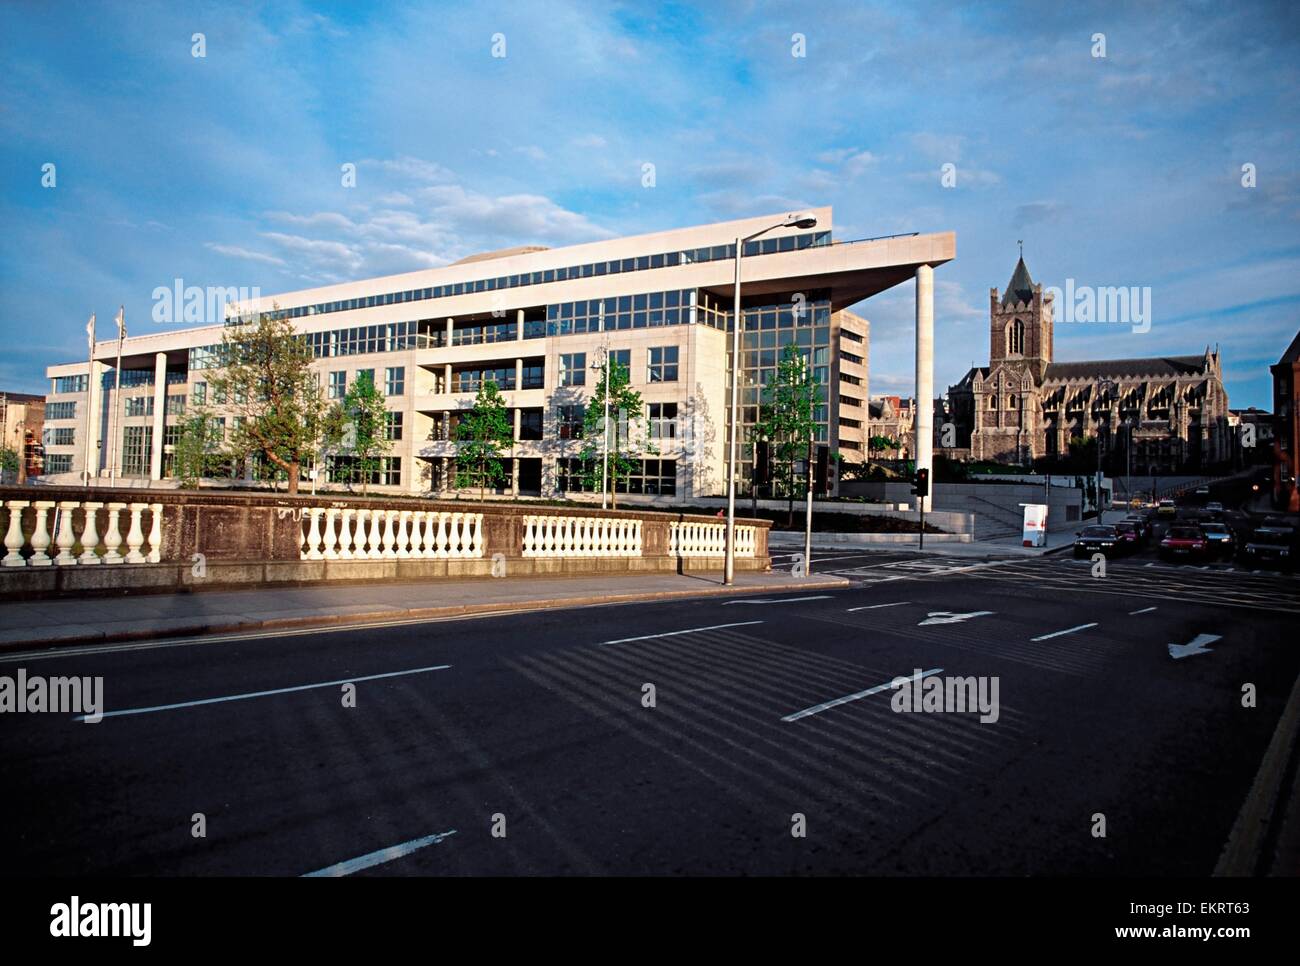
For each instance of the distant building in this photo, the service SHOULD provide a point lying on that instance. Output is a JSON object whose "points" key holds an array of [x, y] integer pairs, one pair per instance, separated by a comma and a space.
{"points": [[892, 417], [1163, 414], [1286, 454], [22, 419], [1252, 436]]}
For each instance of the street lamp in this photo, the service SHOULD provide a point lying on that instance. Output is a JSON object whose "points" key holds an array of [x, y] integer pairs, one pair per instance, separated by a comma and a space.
{"points": [[1103, 384], [804, 220]]}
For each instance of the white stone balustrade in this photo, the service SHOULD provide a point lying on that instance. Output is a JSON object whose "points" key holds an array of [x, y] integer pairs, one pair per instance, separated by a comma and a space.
{"points": [[565, 536], [76, 524], [708, 540], [390, 534]]}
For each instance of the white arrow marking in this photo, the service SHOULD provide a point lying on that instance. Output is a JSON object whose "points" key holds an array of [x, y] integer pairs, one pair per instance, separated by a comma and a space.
{"points": [[948, 617], [1197, 646]]}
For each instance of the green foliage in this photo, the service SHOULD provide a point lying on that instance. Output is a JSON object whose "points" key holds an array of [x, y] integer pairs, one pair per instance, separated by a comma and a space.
{"points": [[484, 434], [787, 414], [197, 449], [365, 412], [8, 460], [625, 445], [884, 443], [268, 382]]}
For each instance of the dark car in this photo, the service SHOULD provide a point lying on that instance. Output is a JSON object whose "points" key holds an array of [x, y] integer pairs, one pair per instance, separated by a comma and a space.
{"points": [[1143, 525], [1271, 545], [1222, 541], [1131, 537], [1097, 539], [1184, 543]]}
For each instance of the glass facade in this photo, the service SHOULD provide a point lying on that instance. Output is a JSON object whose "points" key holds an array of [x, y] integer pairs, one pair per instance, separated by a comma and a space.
{"points": [[648, 310], [61, 410]]}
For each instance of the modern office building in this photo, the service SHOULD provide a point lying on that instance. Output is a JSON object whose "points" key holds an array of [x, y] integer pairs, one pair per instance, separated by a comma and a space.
{"points": [[535, 321]]}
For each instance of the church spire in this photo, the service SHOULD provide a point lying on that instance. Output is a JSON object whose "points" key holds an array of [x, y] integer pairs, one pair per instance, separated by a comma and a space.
{"points": [[1021, 286]]}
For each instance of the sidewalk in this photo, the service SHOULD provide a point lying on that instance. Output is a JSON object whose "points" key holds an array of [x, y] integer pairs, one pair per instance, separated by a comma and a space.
{"points": [[99, 619], [792, 542]]}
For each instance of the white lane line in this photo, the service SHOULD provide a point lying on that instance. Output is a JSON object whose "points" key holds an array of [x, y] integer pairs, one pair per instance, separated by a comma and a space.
{"points": [[377, 858], [896, 603], [779, 600], [693, 630], [1144, 610], [263, 694], [817, 709], [1069, 630]]}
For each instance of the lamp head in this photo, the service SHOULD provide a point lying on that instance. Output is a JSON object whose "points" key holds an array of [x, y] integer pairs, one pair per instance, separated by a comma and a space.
{"points": [[802, 220]]}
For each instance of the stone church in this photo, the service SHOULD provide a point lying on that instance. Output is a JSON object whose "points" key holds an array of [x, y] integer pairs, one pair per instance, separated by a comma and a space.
{"points": [[1166, 414]]}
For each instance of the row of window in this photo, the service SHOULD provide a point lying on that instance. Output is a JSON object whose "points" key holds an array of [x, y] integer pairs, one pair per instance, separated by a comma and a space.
{"points": [[651, 477], [394, 381], [58, 462], [647, 310], [661, 365], [61, 410], [59, 436], [766, 246]]}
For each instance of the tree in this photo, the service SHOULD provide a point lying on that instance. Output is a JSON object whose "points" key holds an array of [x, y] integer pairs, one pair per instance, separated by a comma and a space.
{"points": [[200, 440], [8, 461], [367, 433], [612, 453], [267, 382], [881, 442], [788, 418], [484, 433]]}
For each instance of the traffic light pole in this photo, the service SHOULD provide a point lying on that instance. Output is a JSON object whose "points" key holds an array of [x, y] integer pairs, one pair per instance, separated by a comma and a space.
{"points": [[922, 502]]}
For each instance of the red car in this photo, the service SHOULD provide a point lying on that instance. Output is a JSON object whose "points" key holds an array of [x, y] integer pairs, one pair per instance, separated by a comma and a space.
{"points": [[1184, 543]]}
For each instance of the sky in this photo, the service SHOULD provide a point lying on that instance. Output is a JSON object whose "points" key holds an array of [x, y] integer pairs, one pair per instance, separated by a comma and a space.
{"points": [[225, 170]]}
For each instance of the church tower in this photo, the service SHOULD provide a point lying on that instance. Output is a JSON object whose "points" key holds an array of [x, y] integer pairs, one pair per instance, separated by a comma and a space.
{"points": [[1020, 324]]}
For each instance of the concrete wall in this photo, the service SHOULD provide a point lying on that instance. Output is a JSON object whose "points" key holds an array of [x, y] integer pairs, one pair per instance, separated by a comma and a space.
{"points": [[995, 506]]}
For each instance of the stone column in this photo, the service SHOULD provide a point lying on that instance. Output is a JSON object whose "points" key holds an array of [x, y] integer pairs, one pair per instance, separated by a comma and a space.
{"points": [[925, 374], [92, 449], [514, 460], [450, 323], [159, 414], [519, 325]]}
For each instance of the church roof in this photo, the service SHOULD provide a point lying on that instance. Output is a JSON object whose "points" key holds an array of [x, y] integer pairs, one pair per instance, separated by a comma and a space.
{"points": [[1021, 285], [1160, 366]]}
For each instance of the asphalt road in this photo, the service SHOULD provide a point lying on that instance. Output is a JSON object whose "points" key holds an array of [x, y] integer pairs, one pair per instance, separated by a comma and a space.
{"points": [[534, 724]]}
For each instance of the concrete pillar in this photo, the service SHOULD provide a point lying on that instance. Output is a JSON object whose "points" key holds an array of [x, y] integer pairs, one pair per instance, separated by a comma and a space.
{"points": [[159, 414], [519, 324], [446, 375], [519, 384], [450, 322], [514, 460], [924, 422]]}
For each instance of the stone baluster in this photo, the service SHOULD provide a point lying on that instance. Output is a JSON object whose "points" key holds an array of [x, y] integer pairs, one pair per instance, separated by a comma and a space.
{"points": [[135, 536], [418, 534], [155, 532], [313, 536], [636, 536], [440, 541], [90, 535], [40, 535], [113, 536], [528, 535], [66, 536], [403, 516], [14, 535], [360, 536], [345, 534], [376, 540], [456, 536], [331, 553], [390, 539]]}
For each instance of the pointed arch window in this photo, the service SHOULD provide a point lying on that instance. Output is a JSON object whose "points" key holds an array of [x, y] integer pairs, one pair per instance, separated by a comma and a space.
{"points": [[1016, 337]]}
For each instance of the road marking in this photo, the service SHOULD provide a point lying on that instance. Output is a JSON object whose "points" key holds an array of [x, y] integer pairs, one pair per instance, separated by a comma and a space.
{"points": [[1071, 630], [1195, 646], [948, 617], [377, 858], [779, 600], [896, 603], [263, 694], [1144, 610], [693, 630], [827, 705]]}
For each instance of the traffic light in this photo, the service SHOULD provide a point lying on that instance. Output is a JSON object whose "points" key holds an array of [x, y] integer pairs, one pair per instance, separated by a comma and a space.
{"points": [[921, 485], [821, 471], [762, 463]]}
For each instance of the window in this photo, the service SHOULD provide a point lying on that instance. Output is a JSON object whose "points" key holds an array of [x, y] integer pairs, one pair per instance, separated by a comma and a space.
{"points": [[64, 384], [175, 406], [570, 420], [652, 477], [393, 426], [573, 369], [852, 380], [534, 375], [345, 469], [61, 410], [623, 357], [530, 424], [200, 393], [663, 364], [1011, 401], [58, 463], [137, 442], [993, 402], [338, 387], [663, 420], [367, 374], [62, 436], [1016, 337], [395, 381], [850, 357], [139, 406]]}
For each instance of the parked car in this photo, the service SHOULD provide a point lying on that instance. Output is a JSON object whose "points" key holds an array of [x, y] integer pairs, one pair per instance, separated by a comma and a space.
{"points": [[1167, 508], [1221, 539], [1095, 539], [1271, 545], [1184, 543], [1131, 537]]}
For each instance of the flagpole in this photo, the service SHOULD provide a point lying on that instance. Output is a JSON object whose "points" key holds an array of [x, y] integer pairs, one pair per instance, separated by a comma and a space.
{"points": [[117, 398], [90, 375]]}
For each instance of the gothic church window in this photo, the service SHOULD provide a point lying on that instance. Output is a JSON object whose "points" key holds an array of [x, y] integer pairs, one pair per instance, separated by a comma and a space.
{"points": [[1016, 337]]}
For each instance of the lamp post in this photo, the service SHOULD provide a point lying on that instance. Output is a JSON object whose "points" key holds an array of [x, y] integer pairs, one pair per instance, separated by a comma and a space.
{"points": [[114, 422], [733, 423], [1103, 384]]}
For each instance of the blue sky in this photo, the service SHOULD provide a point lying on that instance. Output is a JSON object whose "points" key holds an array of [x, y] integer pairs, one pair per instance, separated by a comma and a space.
{"points": [[225, 170]]}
